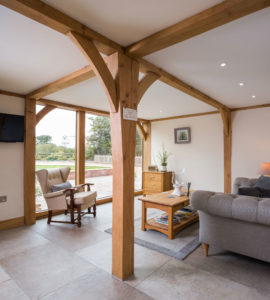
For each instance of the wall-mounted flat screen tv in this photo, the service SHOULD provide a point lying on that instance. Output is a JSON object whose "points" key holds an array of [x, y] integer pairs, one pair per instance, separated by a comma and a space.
{"points": [[11, 128]]}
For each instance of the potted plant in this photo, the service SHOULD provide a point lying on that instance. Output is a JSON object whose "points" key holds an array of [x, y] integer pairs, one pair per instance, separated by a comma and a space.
{"points": [[163, 156]]}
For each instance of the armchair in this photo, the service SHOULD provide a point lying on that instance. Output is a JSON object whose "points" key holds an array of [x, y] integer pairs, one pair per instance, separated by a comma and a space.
{"points": [[71, 200]]}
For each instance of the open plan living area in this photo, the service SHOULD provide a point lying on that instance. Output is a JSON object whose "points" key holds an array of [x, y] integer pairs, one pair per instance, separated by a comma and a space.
{"points": [[134, 150]]}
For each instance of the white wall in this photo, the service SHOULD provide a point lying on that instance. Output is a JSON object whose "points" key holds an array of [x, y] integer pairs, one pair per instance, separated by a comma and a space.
{"points": [[11, 165], [250, 141], [202, 158]]}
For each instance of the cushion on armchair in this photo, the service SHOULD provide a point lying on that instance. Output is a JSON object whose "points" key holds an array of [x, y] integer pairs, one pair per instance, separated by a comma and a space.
{"points": [[62, 186]]}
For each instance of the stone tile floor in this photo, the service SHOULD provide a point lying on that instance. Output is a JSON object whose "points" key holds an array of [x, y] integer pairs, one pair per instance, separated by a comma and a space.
{"points": [[61, 261]]}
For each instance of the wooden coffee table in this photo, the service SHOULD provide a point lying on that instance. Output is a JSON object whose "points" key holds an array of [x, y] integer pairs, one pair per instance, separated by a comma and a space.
{"points": [[168, 205]]}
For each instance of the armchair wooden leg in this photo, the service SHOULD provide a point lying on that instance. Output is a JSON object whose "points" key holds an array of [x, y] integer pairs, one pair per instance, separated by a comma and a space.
{"points": [[79, 216], [49, 216], [205, 249], [72, 215], [95, 210], [66, 212], [89, 210]]}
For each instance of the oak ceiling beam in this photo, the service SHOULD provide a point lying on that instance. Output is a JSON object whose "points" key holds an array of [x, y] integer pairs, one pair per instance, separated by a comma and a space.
{"points": [[55, 19], [206, 20], [64, 82], [72, 107], [61, 22]]}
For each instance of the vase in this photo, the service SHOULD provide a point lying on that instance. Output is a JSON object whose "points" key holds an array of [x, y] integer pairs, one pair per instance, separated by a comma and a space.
{"points": [[163, 168]]}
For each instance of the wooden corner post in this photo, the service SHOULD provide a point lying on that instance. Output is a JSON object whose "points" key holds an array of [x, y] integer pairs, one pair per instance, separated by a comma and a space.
{"points": [[80, 147], [29, 161], [227, 137], [126, 73]]}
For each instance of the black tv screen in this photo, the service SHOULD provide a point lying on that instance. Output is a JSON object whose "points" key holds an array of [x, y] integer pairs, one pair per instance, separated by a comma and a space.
{"points": [[11, 128]]}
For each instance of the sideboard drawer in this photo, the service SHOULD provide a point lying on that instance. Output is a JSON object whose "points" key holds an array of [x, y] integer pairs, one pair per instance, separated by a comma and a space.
{"points": [[156, 182]]}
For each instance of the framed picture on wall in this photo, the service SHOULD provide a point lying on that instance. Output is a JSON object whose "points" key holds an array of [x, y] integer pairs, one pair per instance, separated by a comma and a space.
{"points": [[182, 135]]}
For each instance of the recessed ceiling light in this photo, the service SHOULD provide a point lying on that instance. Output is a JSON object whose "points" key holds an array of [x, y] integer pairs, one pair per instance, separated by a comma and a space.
{"points": [[253, 96], [160, 111], [241, 83], [223, 65]]}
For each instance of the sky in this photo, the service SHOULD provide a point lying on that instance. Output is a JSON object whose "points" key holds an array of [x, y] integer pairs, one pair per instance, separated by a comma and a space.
{"points": [[59, 123]]}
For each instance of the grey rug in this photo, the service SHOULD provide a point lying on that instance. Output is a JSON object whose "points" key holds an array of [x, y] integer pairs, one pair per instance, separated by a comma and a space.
{"points": [[183, 244]]}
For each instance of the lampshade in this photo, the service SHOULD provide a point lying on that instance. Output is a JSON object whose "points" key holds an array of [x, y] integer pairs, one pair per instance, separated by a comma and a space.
{"points": [[265, 169]]}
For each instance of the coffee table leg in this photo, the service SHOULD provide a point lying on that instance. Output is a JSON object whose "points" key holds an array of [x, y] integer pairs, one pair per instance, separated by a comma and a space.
{"points": [[170, 223], [144, 215]]}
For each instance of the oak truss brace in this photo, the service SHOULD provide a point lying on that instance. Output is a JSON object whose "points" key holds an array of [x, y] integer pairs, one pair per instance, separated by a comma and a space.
{"points": [[142, 130], [91, 53], [42, 113], [148, 79]]}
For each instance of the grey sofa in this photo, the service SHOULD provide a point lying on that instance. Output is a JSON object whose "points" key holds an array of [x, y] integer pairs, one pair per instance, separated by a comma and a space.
{"points": [[236, 223]]}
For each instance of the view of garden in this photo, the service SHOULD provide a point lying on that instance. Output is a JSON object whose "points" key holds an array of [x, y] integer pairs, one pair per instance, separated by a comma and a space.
{"points": [[55, 148]]}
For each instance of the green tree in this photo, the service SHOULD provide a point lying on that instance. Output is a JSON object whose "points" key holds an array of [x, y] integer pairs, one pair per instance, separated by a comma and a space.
{"points": [[43, 139], [99, 140]]}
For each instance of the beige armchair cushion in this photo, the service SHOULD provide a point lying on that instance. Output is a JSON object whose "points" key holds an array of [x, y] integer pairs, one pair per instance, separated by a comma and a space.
{"points": [[86, 199], [49, 178]]}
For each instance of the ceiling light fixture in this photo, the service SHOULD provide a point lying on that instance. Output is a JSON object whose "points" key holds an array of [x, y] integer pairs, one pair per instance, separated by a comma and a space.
{"points": [[241, 83], [160, 111], [223, 65], [253, 96]]}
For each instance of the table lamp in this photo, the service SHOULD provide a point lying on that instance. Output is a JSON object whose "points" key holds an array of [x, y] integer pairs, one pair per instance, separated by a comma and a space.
{"points": [[265, 169]]}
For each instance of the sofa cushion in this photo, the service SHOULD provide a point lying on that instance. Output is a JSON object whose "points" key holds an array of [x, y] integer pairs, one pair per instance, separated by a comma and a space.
{"points": [[263, 182], [250, 191]]}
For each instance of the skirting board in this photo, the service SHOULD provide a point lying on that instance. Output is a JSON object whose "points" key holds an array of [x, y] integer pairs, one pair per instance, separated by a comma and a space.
{"points": [[11, 223]]}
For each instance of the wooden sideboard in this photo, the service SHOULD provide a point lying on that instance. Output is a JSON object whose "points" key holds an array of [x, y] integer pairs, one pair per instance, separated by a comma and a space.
{"points": [[156, 182]]}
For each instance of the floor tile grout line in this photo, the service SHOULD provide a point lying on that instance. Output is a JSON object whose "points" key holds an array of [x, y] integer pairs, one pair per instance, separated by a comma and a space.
{"points": [[169, 258]]}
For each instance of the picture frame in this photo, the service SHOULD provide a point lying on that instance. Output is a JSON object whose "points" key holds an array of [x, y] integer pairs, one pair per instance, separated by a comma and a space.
{"points": [[182, 135]]}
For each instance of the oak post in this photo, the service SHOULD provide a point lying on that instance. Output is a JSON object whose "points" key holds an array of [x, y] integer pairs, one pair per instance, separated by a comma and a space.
{"points": [[80, 147], [126, 72], [227, 138], [29, 162]]}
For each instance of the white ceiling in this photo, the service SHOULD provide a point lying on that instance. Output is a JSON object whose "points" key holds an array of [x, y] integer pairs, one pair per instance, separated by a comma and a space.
{"points": [[153, 104], [31, 55], [243, 44], [126, 21]]}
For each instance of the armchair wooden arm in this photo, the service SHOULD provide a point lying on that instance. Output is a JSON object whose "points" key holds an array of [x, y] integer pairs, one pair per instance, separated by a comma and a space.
{"points": [[85, 184]]}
